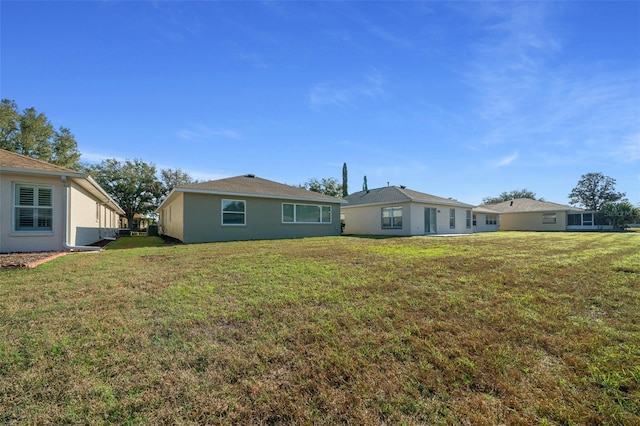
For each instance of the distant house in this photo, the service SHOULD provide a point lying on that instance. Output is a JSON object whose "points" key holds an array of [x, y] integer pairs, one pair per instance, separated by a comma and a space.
{"points": [[485, 220], [525, 214], [247, 208], [44, 207], [396, 210]]}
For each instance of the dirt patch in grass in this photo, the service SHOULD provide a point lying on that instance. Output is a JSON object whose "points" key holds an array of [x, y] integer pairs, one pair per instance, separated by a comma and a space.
{"points": [[27, 260]]}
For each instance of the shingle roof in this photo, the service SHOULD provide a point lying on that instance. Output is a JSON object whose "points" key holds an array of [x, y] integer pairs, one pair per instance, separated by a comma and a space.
{"points": [[16, 162], [485, 210], [250, 185], [395, 194], [524, 205]]}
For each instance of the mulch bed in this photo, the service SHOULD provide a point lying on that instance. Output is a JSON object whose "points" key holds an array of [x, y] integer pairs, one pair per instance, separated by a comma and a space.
{"points": [[33, 259], [27, 260]]}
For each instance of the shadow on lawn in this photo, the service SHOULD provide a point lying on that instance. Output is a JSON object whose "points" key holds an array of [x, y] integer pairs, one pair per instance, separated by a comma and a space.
{"points": [[142, 241]]}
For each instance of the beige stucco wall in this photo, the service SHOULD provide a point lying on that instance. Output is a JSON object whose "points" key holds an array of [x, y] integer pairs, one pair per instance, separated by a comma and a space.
{"points": [[442, 219], [85, 224], [172, 217], [89, 219], [12, 241], [202, 219], [367, 220], [531, 222]]}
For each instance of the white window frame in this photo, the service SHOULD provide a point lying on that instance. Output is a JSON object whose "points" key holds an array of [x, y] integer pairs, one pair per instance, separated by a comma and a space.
{"points": [[549, 218], [321, 208], [35, 206], [468, 219], [475, 220], [452, 218], [392, 210], [243, 213], [491, 219]]}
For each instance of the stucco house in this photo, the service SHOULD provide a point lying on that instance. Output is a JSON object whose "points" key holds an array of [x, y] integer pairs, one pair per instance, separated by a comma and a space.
{"points": [[44, 207], [485, 219], [396, 210], [525, 214], [246, 208]]}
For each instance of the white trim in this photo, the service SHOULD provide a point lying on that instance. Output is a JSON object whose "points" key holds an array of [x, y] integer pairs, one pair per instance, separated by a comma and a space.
{"points": [[222, 212], [295, 214], [393, 208], [14, 207]]}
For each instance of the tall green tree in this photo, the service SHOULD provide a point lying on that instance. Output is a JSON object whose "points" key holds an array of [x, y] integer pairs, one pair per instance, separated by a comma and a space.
{"points": [[345, 191], [172, 178], [31, 133], [327, 186], [621, 213], [511, 195], [594, 190], [133, 184]]}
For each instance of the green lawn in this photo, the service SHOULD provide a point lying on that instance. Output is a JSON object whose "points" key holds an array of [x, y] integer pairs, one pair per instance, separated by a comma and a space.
{"points": [[501, 328]]}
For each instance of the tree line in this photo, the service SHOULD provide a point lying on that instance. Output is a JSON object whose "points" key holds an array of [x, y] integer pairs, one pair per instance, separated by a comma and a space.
{"points": [[139, 187]]}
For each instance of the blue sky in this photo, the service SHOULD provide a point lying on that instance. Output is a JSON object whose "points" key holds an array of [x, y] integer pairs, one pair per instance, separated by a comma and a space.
{"points": [[456, 99]]}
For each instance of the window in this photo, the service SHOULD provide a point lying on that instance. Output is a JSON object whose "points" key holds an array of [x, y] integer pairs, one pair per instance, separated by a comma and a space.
{"points": [[491, 219], [33, 206], [475, 220], [233, 212], [392, 217], [580, 219], [305, 213], [468, 218], [574, 219], [452, 218], [548, 218]]}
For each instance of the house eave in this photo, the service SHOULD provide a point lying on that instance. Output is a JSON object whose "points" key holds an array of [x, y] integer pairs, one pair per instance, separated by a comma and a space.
{"points": [[18, 170], [247, 195], [411, 200]]}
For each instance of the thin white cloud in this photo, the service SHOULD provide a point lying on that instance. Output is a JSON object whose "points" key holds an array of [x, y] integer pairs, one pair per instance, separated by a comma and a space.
{"points": [[506, 161], [200, 133], [332, 93], [524, 93]]}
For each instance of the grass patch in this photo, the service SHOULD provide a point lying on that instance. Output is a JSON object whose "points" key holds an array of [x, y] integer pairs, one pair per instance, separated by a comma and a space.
{"points": [[501, 328]]}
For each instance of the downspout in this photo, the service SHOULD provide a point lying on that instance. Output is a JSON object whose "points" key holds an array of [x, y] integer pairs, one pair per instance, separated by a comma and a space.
{"points": [[66, 221]]}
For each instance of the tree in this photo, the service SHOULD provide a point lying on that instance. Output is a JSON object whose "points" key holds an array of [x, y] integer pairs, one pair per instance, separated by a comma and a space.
{"points": [[511, 195], [327, 186], [621, 213], [170, 178], [345, 192], [132, 184], [32, 134], [594, 190]]}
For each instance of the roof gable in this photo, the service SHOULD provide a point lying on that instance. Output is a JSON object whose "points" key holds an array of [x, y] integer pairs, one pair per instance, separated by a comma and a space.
{"points": [[250, 185], [525, 205], [398, 194]]}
